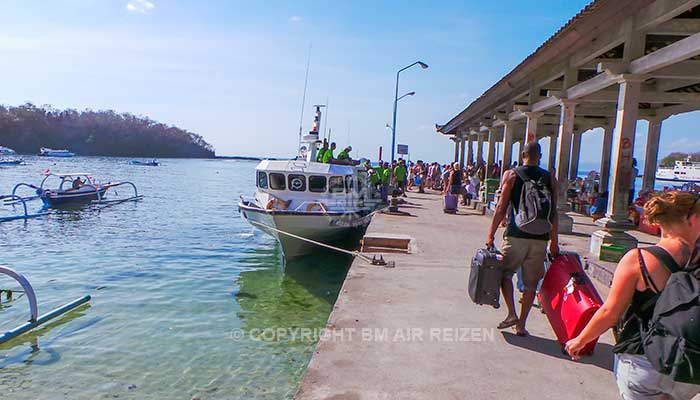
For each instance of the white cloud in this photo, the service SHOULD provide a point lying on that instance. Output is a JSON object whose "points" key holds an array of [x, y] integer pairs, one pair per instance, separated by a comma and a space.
{"points": [[295, 18], [140, 6]]}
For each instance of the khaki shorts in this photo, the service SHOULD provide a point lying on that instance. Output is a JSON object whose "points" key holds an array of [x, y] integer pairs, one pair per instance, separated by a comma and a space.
{"points": [[528, 254]]}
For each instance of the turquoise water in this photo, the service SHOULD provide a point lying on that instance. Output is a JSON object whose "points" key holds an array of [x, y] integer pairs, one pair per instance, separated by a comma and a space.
{"points": [[173, 279]]}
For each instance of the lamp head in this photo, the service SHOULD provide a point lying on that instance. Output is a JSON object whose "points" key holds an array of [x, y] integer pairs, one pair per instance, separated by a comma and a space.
{"points": [[422, 64], [410, 93]]}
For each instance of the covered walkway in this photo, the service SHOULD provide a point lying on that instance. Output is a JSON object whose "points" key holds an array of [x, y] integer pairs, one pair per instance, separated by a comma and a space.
{"points": [[615, 62]]}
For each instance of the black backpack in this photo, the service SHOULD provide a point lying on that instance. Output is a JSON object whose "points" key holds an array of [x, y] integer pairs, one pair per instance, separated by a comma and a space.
{"points": [[671, 340], [535, 206]]}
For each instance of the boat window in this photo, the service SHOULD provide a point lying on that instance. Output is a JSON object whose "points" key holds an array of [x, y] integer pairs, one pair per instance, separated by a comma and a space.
{"points": [[317, 184], [262, 180], [361, 181], [349, 183], [297, 183], [336, 185], [277, 181]]}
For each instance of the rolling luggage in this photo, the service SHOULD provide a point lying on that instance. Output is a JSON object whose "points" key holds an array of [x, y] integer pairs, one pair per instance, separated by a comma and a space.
{"points": [[450, 204], [485, 277], [568, 298]]}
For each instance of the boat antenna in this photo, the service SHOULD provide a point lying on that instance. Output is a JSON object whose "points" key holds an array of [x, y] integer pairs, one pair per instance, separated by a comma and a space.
{"points": [[303, 99], [325, 119]]}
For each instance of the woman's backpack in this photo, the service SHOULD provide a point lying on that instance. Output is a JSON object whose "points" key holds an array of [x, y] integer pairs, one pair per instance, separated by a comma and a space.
{"points": [[672, 338]]}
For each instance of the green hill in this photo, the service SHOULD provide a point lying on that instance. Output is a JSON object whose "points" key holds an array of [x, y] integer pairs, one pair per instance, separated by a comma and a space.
{"points": [[26, 128], [670, 160]]}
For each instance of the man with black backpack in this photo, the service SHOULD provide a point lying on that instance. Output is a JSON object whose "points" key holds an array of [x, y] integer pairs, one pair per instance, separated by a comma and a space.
{"points": [[529, 192]]}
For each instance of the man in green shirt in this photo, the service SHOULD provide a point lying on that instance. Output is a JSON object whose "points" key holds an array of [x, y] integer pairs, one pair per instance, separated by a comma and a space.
{"points": [[400, 176], [328, 154], [345, 154], [322, 151], [386, 178]]}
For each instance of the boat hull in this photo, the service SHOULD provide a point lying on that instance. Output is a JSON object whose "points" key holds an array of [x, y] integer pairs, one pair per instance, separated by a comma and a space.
{"points": [[57, 199], [327, 228]]}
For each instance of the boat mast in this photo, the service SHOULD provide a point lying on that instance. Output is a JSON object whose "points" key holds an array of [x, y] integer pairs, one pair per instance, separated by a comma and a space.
{"points": [[303, 99]]}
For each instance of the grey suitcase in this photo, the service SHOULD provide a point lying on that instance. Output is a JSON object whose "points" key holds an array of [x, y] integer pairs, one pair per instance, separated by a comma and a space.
{"points": [[485, 277]]}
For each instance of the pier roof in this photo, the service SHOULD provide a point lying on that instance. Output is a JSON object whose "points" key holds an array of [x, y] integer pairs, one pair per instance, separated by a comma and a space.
{"points": [[656, 41]]}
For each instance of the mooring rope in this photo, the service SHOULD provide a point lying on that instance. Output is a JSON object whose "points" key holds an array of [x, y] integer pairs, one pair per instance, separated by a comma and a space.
{"points": [[352, 253]]}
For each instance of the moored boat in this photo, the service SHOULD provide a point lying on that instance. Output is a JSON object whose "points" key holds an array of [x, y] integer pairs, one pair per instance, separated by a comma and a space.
{"points": [[74, 188], [301, 201], [46, 152], [11, 161], [683, 171], [152, 163], [6, 151]]}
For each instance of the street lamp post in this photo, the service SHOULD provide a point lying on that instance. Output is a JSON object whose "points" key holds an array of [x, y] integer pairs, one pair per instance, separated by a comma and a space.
{"points": [[396, 101]]}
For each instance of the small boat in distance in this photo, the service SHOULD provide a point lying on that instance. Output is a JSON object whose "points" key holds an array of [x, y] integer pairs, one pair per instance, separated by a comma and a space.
{"points": [[6, 151], [46, 152], [11, 161], [682, 171], [74, 188], [152, 163]]}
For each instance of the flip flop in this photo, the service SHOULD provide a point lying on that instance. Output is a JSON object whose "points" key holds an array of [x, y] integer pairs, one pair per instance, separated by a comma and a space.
{"points": [[507, 323]]}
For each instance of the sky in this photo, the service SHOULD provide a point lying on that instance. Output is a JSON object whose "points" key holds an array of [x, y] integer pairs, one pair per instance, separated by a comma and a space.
{"points": [[233, 71]]}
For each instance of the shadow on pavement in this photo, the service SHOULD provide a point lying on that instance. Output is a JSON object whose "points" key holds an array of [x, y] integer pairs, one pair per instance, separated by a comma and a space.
{"points": [[602, 357]]}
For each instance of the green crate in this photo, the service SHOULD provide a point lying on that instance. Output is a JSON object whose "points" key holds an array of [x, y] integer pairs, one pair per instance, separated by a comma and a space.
{"points": [[611, 252]]}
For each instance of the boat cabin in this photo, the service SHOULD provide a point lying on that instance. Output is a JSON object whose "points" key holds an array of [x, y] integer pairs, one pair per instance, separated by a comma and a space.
{"points": [[300, 184]]}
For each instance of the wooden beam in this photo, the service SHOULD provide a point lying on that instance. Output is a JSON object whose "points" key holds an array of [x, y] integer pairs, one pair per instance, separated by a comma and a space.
{"points": [[595, 84], [659, 12], [686, 70], [669, 55], [677, 26]]}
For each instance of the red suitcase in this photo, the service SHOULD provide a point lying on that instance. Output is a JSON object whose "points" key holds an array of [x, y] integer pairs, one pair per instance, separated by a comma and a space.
{"points": [[568, 298]]}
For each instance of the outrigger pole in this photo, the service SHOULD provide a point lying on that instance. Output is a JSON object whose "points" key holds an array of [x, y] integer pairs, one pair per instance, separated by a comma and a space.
{"points": [[35, 320]]}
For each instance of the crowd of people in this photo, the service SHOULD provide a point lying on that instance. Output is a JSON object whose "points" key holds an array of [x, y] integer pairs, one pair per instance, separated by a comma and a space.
{"points": [[464, 181]]}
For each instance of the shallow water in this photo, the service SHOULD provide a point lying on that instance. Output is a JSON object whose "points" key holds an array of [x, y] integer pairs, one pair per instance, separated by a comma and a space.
{"points": [[179, 284]]}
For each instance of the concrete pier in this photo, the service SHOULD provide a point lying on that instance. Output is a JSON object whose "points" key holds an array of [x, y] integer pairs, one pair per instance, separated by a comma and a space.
{"points": [[411, 332]]}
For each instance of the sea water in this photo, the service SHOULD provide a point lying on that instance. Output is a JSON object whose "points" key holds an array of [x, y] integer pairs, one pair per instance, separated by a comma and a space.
{"points": [[183, 290]]}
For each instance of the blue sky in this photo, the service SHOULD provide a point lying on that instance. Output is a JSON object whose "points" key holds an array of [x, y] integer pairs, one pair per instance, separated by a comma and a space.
{"points": [[233, 71]]}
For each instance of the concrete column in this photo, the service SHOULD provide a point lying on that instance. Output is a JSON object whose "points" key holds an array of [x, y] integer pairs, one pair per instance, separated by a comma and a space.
{"points": [[566, 130], [605, 158], [575, 155], [520, 151], [531, 126], [470, 151], [652, 154], [461, 152], [616, 220], [479, 148], [507, 146], [456, 140], [552, 152], [491, 149]]}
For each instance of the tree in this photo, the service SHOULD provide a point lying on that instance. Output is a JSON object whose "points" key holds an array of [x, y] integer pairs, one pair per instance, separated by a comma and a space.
{"points": [[670, 160], [27, 127]]}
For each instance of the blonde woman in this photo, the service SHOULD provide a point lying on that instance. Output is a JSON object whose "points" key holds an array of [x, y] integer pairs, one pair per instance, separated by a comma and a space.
{"points": [[639, 276]]}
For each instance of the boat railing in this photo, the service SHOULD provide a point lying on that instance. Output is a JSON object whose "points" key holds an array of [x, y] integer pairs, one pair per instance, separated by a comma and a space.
{"points": [[34, 318], [102, 200], [12, 200], [17, 186]]}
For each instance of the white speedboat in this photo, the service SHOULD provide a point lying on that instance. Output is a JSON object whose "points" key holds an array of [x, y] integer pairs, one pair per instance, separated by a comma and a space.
{"points": [[302, 198], [46, 152], [682, 171], [6, 151]]}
